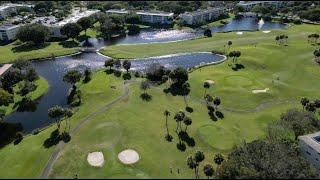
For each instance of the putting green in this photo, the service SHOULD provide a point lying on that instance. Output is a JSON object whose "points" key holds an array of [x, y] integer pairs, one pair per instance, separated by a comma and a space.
{"points": [[222, 139], [237, 80]]}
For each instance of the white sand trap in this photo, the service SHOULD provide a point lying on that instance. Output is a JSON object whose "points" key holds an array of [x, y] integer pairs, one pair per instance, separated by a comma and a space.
{"points": [[266, 31], [260, 91], [95, 159], [209, 81], [128, 156], [239, 33]]}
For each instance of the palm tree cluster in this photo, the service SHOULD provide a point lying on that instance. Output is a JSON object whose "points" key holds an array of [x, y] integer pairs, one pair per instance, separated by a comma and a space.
{"points": [[116, 63], [281, 39], [212, 103], [313, 38], [180, 118], [310, 106], [234, 55], [194, 161]]}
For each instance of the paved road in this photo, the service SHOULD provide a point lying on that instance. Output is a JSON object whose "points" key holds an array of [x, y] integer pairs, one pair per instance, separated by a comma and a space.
{"points": [[47, 169]]}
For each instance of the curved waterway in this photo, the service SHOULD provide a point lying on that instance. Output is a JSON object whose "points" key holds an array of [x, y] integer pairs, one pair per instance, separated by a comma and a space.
{"points": [[161, 35], [53, 71]]}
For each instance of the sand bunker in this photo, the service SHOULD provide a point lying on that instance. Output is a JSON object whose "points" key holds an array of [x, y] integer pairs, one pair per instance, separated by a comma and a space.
{"points": [[209, 81], [260, 91], [266, 31], [95, 159], [239, 33], [128, 156]]}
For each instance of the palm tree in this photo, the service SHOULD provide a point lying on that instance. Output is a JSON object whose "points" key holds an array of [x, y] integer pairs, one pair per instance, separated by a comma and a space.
{"points": [[187, 121], [179, 116], [198, 157], [217, 102], [166, 113], [218, 158], [229, 44], [192, 165], [208, 98], [208, 170], [206, 86]]}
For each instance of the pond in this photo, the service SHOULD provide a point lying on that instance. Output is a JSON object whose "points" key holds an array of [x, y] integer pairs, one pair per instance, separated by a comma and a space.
{"points": [[158, 36], [53, 71]]}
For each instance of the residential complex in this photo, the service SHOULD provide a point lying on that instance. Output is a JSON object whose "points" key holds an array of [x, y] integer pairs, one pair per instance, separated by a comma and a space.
{"points": [[201, 15], [310, 148], [7, 9], [55, 26], [8, 32], [247, 5], [147, 17]]}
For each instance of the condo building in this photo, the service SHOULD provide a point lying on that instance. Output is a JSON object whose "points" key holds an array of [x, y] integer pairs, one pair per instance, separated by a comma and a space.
{"points": [[147, 17], [201, 15]]}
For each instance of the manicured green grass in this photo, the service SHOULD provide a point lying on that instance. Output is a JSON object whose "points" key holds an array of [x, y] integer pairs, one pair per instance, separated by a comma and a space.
{"points": [[8, 52], [218, 23], [28, 158], [42, 88], [133, 123], [217, 41]]}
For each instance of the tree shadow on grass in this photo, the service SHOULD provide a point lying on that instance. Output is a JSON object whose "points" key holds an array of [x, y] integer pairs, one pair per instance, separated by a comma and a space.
{"points": [[219, 114], [189, 109], [184, 136], [126, 76], [69, 44], [238, 67], [8, 132], [146, 97], [29, 47], [181, 146], [55, 138], [109, 71]]}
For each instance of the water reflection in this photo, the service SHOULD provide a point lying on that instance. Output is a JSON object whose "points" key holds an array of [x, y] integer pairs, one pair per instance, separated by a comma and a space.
{"points": [[54, 70]]}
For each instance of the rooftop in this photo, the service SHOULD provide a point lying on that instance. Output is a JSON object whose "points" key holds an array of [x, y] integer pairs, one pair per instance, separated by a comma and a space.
{"points": [[202, 11], [5, 6], [253, 2], [312, 140], [8, 26], [154, 13], [75, 16], [4, 68]]}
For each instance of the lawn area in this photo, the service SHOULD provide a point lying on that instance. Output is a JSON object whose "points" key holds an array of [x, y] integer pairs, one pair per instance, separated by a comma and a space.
{"points": [[217, 41], [42, 88], [288, 71], [12, 52], [27, 159]]}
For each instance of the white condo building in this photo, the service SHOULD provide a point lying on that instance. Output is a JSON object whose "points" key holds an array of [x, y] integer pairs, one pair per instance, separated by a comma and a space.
{"points": [[247, 5], [310, 148], [8, 32], [148, 17], [201, 15], [55, 26], [7, 9]]}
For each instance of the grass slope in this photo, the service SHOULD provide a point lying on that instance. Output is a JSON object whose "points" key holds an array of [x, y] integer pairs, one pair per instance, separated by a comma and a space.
{"points": [[9, 52]]}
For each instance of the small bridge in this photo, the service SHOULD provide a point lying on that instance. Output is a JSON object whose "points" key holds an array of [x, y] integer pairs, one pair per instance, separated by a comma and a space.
{"points": [[89, 49]]}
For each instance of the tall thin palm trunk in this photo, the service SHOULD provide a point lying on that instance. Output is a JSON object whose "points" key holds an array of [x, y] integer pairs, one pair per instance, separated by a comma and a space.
{"points": [[167, 125]]}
